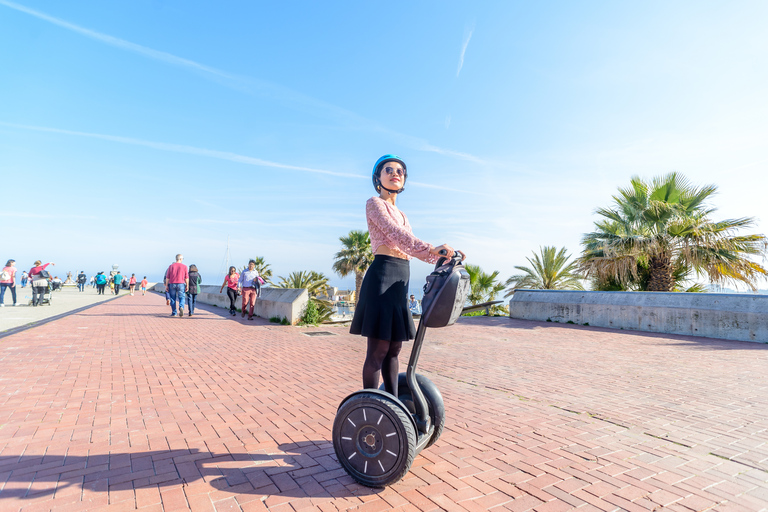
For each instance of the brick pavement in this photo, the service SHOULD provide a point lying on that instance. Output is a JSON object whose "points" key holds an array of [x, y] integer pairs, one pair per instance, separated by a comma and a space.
{"points": [[120, 407]]}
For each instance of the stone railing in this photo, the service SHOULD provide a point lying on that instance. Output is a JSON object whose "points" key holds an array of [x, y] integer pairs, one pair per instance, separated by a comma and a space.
{"points": [[713, 315], [286, 303]]}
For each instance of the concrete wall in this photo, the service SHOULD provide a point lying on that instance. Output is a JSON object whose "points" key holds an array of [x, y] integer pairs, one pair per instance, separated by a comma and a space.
{"points": [[714, 315], [280, 302]]}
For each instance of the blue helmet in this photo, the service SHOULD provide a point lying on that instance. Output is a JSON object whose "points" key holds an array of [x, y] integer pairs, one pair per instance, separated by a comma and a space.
{"points": [[377, 167]]}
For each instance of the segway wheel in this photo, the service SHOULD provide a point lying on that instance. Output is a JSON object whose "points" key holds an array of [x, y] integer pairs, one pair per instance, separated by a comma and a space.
{"points": [[434, 401], [374, 439]]}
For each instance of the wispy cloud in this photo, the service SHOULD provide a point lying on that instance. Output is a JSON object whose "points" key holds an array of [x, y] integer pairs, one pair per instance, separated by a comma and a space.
{"points": [[467, 36], [249, 85], [190, 150], [221, 155], [120, 43]]}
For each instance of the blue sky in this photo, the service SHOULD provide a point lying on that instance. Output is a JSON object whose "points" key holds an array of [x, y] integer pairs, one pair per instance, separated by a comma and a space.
{"points": [[130, 131]]}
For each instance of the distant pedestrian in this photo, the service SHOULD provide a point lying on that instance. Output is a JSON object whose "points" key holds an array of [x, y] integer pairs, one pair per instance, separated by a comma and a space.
{"points": [[8, 280], [250, 287], [24, 279], [230, 281], [194, 288], [176, 282], [81, 280], [101, 282], [144, 286], [39, 277], [132, 283], [117, 280], [56, 283], [413, 305]]}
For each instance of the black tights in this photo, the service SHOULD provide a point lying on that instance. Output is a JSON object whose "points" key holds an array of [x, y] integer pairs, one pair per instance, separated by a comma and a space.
{"points": [[381, 360], [232, 294]]}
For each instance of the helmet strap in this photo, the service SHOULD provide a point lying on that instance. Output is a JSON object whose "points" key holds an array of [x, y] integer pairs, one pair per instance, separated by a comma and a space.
{"points": [[392, 191], [379, 185]]}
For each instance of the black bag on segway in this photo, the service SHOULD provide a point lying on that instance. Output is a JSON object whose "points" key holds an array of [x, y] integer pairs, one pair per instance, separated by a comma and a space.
{"points": [[445, 293]]}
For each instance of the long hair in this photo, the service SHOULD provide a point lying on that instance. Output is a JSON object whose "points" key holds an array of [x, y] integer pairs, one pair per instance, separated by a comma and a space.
{"points": [[193, 268], [232, 270]]}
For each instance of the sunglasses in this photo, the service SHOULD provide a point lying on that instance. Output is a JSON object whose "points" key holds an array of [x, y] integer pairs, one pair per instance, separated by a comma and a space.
{"points": [[391, 170]]}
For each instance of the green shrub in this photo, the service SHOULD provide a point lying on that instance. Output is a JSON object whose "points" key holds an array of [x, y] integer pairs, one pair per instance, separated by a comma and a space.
{"points": [[316, 312], [285, 321], [274, 319]]}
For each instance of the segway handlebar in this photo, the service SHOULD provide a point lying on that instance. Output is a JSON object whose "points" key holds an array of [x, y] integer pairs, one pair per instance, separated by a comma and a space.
{"points": [[457, 258]]}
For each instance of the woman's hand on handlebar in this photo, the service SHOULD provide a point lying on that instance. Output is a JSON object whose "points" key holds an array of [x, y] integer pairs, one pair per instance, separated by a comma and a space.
{"points": [[449, 252]]}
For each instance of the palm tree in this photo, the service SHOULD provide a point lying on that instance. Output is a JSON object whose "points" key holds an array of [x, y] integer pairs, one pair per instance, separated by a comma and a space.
{"points": [[355, 256], [483, 287], [661, 229], [314, 282], [262, 267], [549, 270]]}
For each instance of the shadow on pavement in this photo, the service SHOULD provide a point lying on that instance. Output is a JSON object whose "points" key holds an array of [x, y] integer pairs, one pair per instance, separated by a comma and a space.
{"points": [[266, 473]]}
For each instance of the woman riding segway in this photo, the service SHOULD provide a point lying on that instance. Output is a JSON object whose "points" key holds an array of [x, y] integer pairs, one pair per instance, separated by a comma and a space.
{"points": [[382, 313], [377, 433]]}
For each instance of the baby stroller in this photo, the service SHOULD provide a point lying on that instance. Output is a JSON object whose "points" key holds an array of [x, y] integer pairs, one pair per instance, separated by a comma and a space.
{"points": [[47, 296]]}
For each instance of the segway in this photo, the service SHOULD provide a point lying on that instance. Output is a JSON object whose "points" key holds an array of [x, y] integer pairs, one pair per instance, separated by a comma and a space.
{"points": [[376, 436]]}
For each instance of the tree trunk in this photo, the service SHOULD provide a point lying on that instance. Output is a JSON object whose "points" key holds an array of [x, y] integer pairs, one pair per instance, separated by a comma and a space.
{"points": [[661, 274], [358, 284]]}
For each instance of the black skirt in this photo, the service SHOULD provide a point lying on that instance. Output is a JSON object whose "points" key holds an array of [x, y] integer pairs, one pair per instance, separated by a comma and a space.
{"points": [[382, 308]]}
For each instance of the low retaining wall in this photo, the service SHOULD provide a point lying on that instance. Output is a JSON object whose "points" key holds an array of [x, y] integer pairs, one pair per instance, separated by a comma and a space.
{"points": [[713, 315], [280, 302]]}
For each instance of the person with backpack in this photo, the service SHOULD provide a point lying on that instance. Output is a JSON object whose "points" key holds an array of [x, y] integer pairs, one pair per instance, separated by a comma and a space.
{"points": [[194, 288], [39, 277], [8, 280], [381, 313], [117, 279], [101, 282], [81, 280]]}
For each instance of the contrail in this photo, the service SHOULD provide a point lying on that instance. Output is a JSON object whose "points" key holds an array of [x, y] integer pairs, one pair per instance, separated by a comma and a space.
{"points": [[121, 43], [221, 155], [249, 85], [467, 37], [190, 150]]}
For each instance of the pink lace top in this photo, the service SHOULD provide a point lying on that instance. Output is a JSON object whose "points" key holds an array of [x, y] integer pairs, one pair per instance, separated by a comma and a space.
{"points": [[389, 226]]}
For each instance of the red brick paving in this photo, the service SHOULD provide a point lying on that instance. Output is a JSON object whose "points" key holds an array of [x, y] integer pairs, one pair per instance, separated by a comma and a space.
{"points": [[120, 407]]}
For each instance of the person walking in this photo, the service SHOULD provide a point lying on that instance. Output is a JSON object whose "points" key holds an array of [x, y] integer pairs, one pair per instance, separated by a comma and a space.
{"points": [[132, 284], [230, 281], [81, 280], [413, 305], [249, 286], [144, 286], [177, 281], [24, 279], [117, 280], [39, 277], [194, 288], [100, 282], [8, 280], [382, 313]]}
